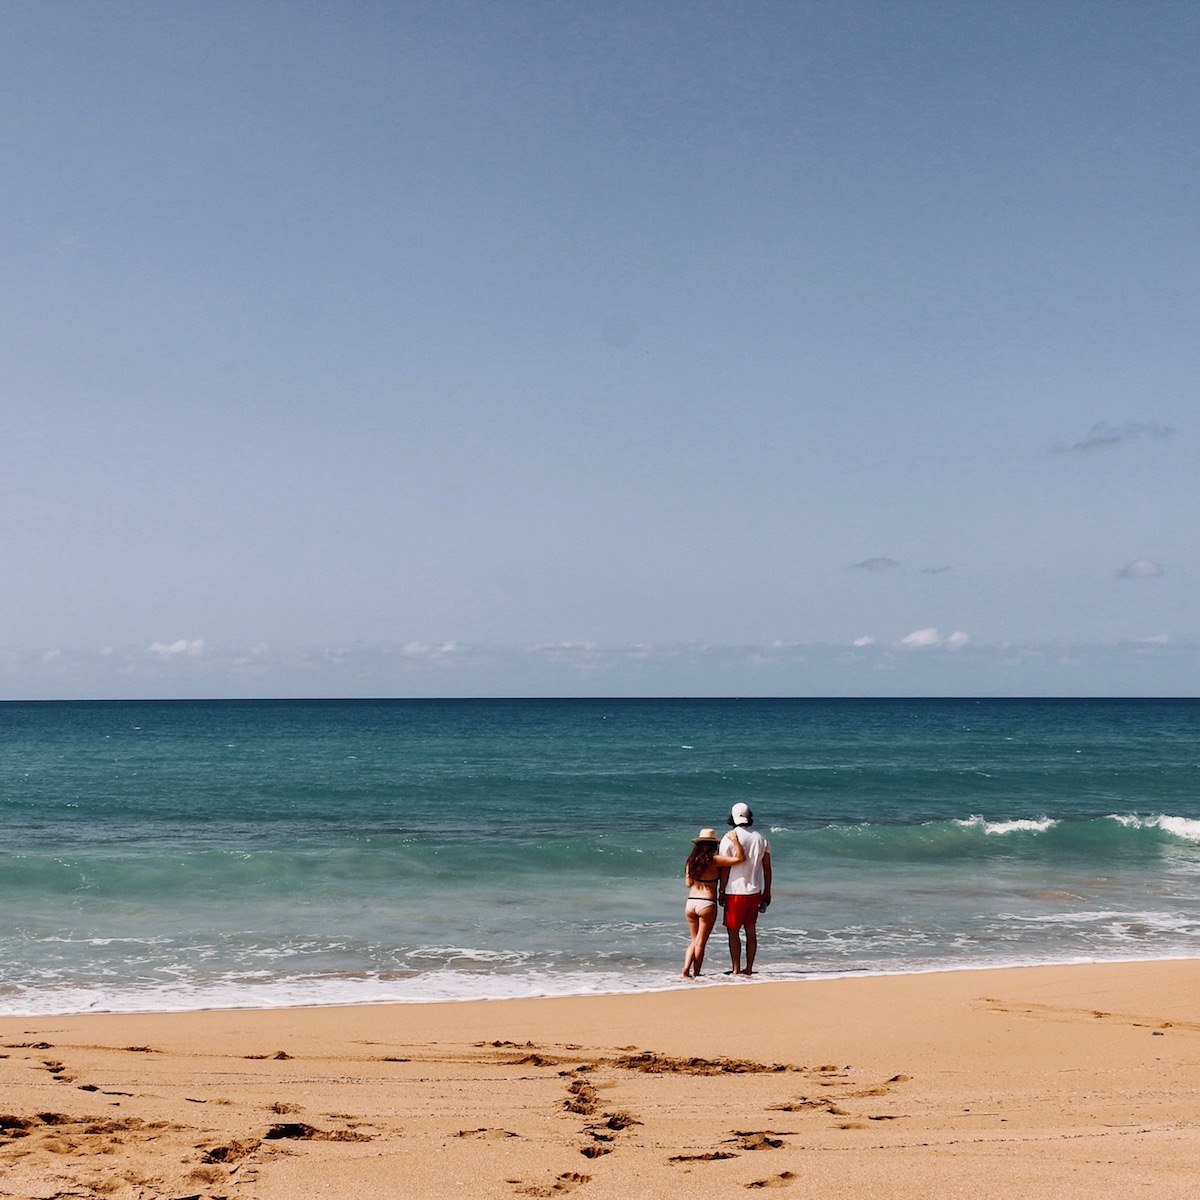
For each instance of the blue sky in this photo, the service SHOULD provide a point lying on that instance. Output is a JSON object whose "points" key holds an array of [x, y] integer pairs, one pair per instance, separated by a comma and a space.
{"points": [[544, 348]]}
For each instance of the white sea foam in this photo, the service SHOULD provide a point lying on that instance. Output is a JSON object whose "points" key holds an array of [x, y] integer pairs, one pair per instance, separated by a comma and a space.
{"points": [[450, 954], [452, 986], [1185, 828], [241, 993], [1113, 924], [996, 828]]}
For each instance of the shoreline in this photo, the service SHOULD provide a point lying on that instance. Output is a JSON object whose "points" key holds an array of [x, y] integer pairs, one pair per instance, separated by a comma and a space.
{"points": [[1043, 1081], [669, 983]]}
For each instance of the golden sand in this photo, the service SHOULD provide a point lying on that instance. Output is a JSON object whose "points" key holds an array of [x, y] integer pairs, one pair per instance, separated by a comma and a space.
{"points": [[1079, 1081]]}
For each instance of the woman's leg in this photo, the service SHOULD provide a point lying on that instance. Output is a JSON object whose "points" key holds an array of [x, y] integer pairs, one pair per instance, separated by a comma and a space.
{"points": [[689, 960], [707, 919]]}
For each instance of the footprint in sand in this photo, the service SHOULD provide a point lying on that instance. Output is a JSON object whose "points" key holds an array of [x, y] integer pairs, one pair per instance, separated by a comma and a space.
{"points": [[783, 1179], [59, 1071], [619, 1120], [568, 1181], [804, 1104], [207, 1174], [299, 1131], [534, 1060], [232, 1152], [583, 1099], [758, 1140], [651, 1063]]}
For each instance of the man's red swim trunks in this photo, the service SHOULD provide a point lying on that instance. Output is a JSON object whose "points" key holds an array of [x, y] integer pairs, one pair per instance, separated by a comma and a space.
{"points": [[741, 910]]}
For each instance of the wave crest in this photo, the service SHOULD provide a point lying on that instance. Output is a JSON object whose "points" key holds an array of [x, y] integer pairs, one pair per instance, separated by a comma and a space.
{"points": [[999, 828], [1099, 839], [1186, 829]]}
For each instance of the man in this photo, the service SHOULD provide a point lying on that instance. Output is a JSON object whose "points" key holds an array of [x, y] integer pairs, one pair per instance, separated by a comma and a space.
{"points": [[746, 887]]}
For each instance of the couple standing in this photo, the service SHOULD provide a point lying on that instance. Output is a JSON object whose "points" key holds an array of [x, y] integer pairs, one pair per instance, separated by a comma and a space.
{"points": [[733, 872]]}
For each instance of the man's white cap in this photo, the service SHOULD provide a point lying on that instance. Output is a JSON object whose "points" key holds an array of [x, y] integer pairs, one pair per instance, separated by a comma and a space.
{"points": [[740, 814]]}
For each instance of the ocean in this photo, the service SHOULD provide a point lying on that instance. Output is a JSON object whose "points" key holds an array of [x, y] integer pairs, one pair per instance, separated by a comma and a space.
{"points": [[174, 855]]}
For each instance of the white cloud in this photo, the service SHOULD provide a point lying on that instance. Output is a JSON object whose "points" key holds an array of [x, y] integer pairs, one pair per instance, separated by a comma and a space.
{"points": [[864, 641], [429, 652], [921, 638], [192, 649], [1140, 568]]}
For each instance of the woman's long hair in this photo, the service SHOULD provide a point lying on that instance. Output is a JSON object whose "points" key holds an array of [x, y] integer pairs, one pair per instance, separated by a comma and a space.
{"points": [[700, 859]]}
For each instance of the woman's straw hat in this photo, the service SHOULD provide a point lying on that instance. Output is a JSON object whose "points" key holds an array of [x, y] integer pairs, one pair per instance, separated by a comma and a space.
{"points": [[707, 835]]}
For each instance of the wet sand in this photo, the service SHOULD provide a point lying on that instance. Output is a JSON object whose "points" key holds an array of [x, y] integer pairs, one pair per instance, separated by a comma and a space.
{"points": [[1038, 1082]]}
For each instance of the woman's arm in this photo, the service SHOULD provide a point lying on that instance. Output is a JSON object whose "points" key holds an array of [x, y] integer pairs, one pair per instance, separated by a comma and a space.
{"points": [[731, 860]]}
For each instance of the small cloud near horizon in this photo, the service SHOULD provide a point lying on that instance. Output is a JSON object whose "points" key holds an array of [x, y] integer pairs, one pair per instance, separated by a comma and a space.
{"points": [[875, 564], [935, 570], [1141, 568], [923, 639], [864, 641], [1103, 436], [193, 648]]}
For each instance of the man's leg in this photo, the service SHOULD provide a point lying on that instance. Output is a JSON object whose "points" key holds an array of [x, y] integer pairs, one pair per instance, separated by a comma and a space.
{"points": [[751, 945], [735, 949]]}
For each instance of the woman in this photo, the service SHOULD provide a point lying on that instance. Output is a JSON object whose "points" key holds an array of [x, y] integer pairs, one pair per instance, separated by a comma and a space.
{"points": [[703, 874]]}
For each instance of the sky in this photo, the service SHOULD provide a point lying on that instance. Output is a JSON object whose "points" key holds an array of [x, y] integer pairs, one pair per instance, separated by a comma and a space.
{"points": [[655, 348]]}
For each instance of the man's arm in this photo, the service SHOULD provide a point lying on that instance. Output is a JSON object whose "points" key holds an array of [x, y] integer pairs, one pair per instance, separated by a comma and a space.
{"points": [[766, 896]]}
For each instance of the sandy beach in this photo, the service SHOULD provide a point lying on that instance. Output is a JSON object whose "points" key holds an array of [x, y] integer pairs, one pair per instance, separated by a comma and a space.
{"points": [[1055, 1081]]}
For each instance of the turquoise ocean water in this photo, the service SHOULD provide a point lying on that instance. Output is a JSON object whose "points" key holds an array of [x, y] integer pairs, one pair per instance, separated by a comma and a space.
{"points": [[181, 855]]}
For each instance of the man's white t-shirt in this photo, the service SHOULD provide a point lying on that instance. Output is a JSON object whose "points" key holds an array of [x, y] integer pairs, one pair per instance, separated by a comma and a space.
{"points": [[746, 878]]}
